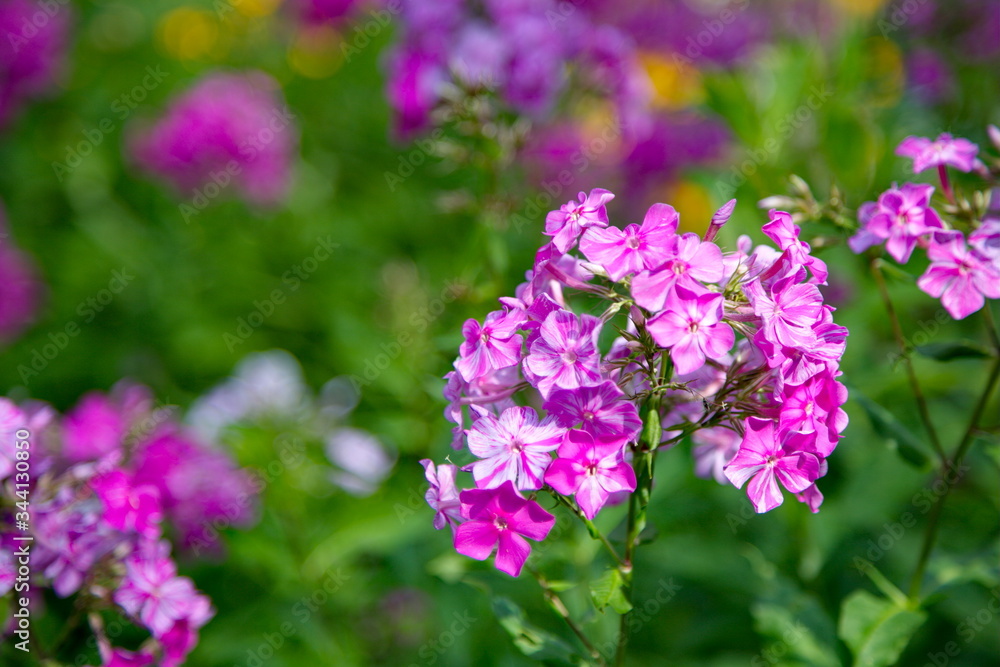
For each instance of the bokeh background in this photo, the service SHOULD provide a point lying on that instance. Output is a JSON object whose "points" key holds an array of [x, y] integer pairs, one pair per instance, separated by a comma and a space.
{"points": [[425, 230]]}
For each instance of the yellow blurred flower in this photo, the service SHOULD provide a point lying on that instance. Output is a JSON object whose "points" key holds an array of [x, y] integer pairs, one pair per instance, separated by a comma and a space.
{"points": [[862, 8], [693, 204], [886, 71], [675, 84], [255, 8], [316, 52], [190, 34]]}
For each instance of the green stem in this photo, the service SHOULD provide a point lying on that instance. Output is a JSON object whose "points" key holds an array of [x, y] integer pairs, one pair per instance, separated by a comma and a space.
{"points": [[918, 394], [594, 531], [560, 608], [950, 465]]}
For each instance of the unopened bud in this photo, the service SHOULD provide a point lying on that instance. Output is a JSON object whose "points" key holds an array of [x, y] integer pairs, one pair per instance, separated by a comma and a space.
{"points": [[720, 218], [780, 202], [994, 134]]}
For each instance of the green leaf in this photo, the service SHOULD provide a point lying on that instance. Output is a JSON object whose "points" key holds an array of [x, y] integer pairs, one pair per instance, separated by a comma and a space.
{"points": [[532, 641], [876, 630], [560, 586], [907, 445], [956, 349], [895, 273], [607, 591]]}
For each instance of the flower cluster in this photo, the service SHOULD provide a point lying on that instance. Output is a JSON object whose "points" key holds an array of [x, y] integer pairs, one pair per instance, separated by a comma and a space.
{"points": [[736, 350], [31, 52], [228, 130], [521, 51], [267, 391], [108, 483], [20, 288], [964, 270]]}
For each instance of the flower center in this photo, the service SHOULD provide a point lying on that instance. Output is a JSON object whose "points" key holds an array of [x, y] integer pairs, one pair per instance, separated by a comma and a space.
{"points": [[500, 523], [484, 337], [632, 242], [679, 268], [693, 327], [592, 470], [569, 357], [588, 415], [517, 446]]}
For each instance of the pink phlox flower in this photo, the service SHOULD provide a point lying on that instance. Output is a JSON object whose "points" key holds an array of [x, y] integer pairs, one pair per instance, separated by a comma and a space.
{"points": [[590, 469], [513, 447], [499, 519], [766, 458], [903, 216], [691, 326], [442, 495], [493, 345], [630, 250], [785, 233], [814, 406], [565, 355], [714, 448], [945, 150], [601, 410], [959, 275], [788, 310], [687, 262], [153, 593], [129, 507], [566, 224]]}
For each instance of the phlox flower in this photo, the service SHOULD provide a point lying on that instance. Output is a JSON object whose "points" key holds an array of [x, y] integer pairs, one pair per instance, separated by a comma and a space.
{"points": [[566, 224], [766, 458], [601, 410], [565, 355], [152, 592], [512, 447], [713, 449], [499, 519], [785, 233], [493, 345], [688, 261], [590, 469], [959, 275], [129, 507], [788, 310], [691, 326], [442, 495], [945, 150], [630, 250], [900, 217]]}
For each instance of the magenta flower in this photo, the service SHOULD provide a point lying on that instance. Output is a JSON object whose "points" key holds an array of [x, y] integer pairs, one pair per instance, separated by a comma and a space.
{"points": [[945, 150], [901, 217], [21, 290], [514, 447], [785, 233], [814, 406], [630, 250], [689, 261], [442, 495], [959, 275], [152, 592], [493, 345], [566, 224], [788, 310], [228, 132], [565, 355], [691, 326], [601, 410], [129, 507], [32, 52], [500, 519], [766, 458], [592, 470], [93, 429]]}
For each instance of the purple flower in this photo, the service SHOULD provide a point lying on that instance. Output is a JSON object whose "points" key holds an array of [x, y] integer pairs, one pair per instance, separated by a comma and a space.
{"points": [[128, 507], [21, 290], [714, 448], [566, 224], [959, 153], [959, 275], [766, 458], [691, 327], [442, 495], [93, 429], [785, 233], [630, 250], [601, 410], [788, 310], [592, 470], [514, 447], [900, 217], [32, 52], [500, 519], [565, 355], [227, 129], [362, 459], [689, 261], [491, 346], [152, 592]]}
